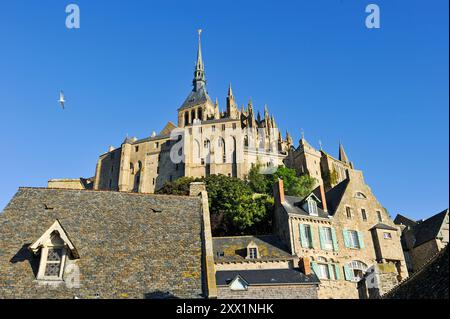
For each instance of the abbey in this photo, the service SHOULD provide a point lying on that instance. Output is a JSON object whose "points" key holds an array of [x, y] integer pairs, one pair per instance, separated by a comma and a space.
{"points": [[211, 141]]}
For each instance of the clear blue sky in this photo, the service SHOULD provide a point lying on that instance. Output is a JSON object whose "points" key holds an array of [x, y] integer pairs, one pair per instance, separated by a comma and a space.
{"points": [[384, 92]]}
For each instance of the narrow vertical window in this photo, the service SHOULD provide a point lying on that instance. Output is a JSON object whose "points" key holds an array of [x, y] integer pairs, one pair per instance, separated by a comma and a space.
{"points": [[363, 214]]}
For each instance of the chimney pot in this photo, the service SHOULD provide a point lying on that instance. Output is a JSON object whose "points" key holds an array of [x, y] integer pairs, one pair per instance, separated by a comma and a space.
{"points": [[305, 265], [323, 198]]}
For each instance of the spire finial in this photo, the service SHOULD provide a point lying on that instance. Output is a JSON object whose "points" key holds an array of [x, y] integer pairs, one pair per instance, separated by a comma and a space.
{"points": [[303, 133], [320, 144], [199, 73]]}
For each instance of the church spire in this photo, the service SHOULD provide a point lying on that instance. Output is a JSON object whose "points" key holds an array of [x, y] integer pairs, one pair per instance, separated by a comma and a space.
{"points": [[199, 74], [342, 156]]}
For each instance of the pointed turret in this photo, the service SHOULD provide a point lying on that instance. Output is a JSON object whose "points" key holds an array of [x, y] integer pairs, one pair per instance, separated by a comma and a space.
{"points": [[216, 110], [289, 140], [232, 110], [266, 111], [342, 156]]}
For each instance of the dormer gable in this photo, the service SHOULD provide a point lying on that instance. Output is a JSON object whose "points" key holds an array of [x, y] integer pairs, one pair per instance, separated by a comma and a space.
{"points": [[54, 247], [309, 204], [238, 283]]}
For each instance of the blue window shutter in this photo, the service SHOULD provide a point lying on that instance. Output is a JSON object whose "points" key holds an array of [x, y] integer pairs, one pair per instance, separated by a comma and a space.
{"points": [[303, 240], [348, 273], [334, 237], [361, 239], [314, 268], [311, 232], [338, 272], [331, 271], [346, 239], [322, 245]]}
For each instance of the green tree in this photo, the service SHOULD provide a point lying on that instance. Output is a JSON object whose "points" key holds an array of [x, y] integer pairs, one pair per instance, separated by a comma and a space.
{"points": [[258, 182], [178, 187], [293, 184]]}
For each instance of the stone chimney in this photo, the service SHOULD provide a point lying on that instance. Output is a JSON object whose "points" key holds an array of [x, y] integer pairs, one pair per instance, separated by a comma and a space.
{"points": [[195, 188], [323, 199], [278, 191], [305, 265]]}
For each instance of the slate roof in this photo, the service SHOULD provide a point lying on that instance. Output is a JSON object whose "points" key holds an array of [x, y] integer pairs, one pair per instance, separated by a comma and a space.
{"points": [[429, 228], [292, 205], [267, 277], [403, 220], [334, 196], [383, 226], [195, 98], [234, 249], [130, 245], [430, 282]]}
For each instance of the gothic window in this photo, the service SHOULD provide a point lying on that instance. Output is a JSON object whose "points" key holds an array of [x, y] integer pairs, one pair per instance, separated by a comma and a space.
{"points": [[206, 143], [186, 118], [193, 116], [200, 113], [245, 140], [131, 168]]}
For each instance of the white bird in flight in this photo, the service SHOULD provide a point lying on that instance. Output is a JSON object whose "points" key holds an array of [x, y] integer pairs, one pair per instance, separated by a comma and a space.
{"points": [[61, 100]]}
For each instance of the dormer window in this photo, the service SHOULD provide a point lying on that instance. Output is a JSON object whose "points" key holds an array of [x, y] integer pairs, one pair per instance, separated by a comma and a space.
{"points": [[252, 251], [54, 247], [312, 207]]}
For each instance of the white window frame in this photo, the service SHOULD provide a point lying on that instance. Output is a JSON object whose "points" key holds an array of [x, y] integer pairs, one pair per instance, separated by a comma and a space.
{"points": [[44, 261], [323, 271], [359, 266], [308, 235], [328, 238], [312, 207], [353, 239]]}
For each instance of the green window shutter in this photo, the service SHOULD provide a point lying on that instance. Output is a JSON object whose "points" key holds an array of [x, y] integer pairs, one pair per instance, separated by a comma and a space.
{"points": [[322, 245], [346, 239], [348, 273], [302, 236], [331, 271], [361, 239], [334, 237], [337, 271], [314, 268]]}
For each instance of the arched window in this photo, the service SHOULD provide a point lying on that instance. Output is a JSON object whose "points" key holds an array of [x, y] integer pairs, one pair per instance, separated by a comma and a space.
{"points": [[360, 195], [186, 118], [192, 116], [200, 113], [357, 270]]}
